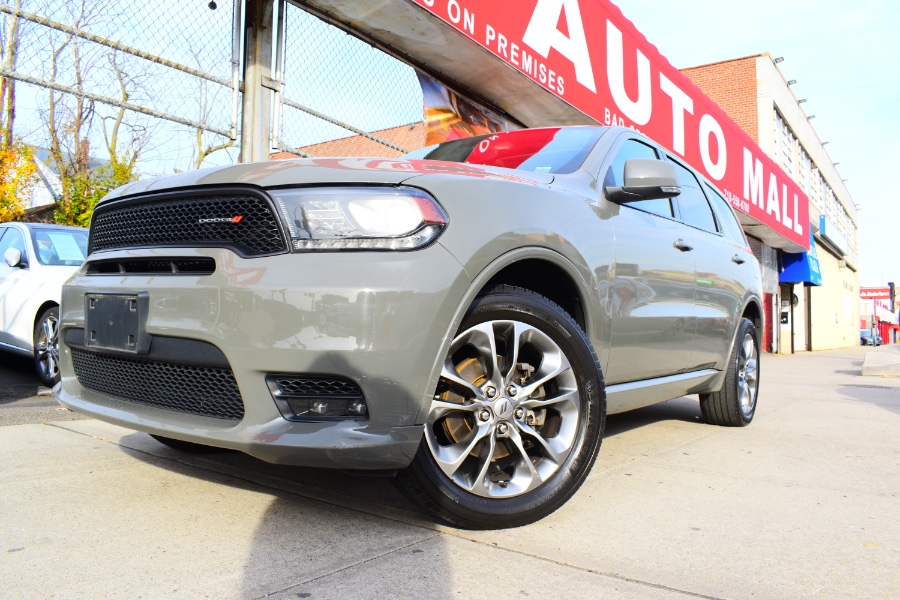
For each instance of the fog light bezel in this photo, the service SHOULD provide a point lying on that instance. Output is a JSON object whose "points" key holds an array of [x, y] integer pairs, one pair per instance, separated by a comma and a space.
{"points": [[291, 405]]}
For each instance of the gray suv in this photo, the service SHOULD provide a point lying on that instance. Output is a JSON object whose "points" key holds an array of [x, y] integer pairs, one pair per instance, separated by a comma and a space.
{"points": [[465, 322]]}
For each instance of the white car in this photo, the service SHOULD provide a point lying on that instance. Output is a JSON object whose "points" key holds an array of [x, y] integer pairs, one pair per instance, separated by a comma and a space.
{"points": [[37, 260]]}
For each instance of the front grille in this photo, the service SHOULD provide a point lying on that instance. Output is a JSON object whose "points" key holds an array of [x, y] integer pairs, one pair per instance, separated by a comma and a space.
{"points": [[177, 222], [316, 386], [204, 391]]}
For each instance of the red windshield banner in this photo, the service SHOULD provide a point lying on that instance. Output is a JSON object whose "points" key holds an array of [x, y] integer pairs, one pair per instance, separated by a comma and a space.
{"points": [[587, 53]]}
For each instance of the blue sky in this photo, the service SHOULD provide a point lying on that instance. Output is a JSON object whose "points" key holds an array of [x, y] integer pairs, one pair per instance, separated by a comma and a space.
{"points": [[845, 57]]}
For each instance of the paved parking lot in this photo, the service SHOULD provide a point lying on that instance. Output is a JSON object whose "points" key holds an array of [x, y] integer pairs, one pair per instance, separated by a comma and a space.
{"points": [[803, 503]]}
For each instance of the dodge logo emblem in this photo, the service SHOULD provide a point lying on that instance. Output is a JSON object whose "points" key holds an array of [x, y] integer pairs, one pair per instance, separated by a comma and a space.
{"points": [[503, 407], [233, 220]]}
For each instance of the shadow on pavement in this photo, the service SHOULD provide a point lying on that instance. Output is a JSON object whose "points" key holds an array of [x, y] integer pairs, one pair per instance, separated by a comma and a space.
{"points": [[685, 409], [17, 378], [883, 396], [321, 527]]}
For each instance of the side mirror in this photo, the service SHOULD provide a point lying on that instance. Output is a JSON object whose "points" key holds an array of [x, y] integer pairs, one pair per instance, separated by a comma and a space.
{"points": [[13, 258], [646, 179]]}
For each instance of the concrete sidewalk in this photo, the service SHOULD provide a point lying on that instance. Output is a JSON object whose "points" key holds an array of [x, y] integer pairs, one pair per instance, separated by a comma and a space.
{"points": [[802, 503]]}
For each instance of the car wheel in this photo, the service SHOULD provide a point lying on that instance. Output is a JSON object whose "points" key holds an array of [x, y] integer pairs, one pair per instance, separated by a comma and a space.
{"points": [[517, 417], [735, 404], [46, 347], [189, 447]]}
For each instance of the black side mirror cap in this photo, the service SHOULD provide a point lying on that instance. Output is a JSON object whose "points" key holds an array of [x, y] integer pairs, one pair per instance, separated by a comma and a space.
{"points": [[646, 179]]}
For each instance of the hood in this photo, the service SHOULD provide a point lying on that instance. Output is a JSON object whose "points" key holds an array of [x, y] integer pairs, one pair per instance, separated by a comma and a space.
{"points": [[323, 170]]}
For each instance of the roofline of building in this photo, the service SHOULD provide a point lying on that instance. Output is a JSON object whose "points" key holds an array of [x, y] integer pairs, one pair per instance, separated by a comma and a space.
{"points": [[722, 62]]}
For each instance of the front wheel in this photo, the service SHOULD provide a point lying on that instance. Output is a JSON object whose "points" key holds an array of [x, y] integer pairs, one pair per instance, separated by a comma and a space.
{"points": [[46, 347], [735, 404], [517, 418]]}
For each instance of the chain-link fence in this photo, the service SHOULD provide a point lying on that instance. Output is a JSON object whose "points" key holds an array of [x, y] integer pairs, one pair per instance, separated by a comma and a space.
{"points": [[343, 97], [160, 80], [152, 78]]}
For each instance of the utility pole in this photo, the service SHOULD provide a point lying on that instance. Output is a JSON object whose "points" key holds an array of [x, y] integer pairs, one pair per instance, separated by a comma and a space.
{"points": [[257, 102]]}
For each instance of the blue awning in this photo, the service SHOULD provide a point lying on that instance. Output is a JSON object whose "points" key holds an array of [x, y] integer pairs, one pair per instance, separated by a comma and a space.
{"points": [[802, 267]]}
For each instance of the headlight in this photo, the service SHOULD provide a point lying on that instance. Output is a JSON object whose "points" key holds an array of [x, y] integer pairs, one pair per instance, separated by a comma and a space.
{"points": [[360, 218]]}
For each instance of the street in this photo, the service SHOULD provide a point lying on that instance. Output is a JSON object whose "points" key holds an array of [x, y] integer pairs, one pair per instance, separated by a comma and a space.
{"points": [[802, 503]]}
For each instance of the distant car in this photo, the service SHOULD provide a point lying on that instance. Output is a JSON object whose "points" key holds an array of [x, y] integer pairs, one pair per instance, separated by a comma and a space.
{"points": [[469, 318], [37, 260], [867, 339]]}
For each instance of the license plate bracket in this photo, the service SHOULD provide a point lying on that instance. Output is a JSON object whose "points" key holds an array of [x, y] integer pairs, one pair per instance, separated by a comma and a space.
{"points": [[117, 322]]}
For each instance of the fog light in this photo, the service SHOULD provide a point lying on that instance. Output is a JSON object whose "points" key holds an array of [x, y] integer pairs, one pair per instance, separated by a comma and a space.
{"points": [[357, 408]]}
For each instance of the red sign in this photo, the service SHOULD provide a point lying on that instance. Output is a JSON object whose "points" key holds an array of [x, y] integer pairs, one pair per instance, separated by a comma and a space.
{"points": [[587, 53], [875, 293]]}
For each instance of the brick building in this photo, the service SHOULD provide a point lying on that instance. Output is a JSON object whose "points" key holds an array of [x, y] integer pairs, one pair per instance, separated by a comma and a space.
{"points": [[406, 137], [806, 310]]}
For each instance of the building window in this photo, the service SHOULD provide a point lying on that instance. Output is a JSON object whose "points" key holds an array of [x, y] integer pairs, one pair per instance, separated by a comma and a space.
{"points": [[784, 144], [805, 164]]}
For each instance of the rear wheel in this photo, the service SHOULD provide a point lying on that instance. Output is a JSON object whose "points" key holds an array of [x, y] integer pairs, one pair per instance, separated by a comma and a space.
{"points": [[517, 417], [735, 404], [46, 347]]}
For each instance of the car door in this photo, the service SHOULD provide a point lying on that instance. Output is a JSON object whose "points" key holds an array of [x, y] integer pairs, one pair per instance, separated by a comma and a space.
{"points": [[718, 282], [11, 280], [651, 292]]}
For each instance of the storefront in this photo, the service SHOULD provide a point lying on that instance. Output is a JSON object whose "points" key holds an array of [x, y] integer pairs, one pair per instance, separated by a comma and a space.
{"points": [[813, 311]]}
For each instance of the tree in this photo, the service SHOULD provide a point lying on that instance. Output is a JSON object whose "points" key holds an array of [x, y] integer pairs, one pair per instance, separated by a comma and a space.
{"points": [[70, 120], [204, 146], [9, 37], [18, 174]]}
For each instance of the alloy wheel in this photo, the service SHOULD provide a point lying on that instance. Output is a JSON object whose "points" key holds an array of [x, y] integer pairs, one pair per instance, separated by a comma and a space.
{"points": [[47, 348], [748, 384], [506, 413]]}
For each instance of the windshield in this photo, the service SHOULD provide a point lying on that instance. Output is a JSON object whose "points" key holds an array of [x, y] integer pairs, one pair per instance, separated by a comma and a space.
{"points": [[60, 247], [550, 150]]}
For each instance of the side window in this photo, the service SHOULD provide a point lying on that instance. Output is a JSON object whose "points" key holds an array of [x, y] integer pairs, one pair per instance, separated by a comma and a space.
{"points": [[615, 176], [12, 238], [731, 227], [692, 204]]}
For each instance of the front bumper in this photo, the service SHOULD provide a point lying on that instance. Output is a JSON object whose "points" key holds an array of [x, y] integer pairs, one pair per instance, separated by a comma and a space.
{"points": [[379, 319]]}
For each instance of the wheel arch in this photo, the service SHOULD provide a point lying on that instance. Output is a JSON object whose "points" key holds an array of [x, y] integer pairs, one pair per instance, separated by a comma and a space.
{"points": [[504, 270], [46, 305], [547, 278], [753, 311]]}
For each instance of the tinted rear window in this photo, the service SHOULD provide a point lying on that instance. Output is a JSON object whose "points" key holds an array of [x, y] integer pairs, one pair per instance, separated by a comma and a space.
{"points": [[552, 150]]}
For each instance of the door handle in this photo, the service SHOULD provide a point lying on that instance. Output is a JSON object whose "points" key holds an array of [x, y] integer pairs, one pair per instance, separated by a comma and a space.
{"points": [[681, 245], [737, 259]]}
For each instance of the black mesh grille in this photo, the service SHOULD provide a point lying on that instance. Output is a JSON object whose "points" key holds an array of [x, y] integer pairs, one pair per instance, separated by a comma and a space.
{"points": [[204, 391], [177, 222], [317, 386]]}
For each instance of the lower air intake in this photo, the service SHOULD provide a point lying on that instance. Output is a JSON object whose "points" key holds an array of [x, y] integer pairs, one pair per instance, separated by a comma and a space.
{"points": [[204, 391]]}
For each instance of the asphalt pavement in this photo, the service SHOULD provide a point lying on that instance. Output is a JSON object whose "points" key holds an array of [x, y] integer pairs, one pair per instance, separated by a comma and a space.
{"points": [[802, 503]]}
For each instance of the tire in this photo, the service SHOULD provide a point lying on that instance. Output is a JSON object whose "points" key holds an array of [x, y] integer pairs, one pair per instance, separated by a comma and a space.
{"points": [[735, 404], [46, 347], [189, 447], [515, 427]]}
